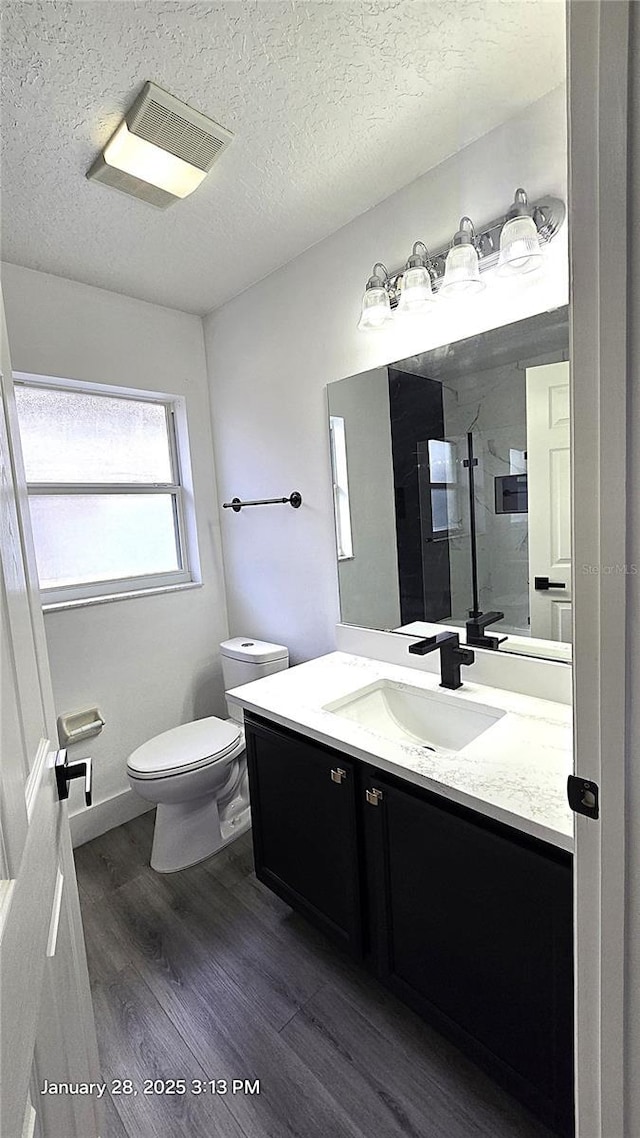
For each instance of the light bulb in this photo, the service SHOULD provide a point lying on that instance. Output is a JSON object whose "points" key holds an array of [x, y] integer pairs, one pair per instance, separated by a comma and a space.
{"points": [[520, 250], [461, 272], [417, 294], [376, 309]]}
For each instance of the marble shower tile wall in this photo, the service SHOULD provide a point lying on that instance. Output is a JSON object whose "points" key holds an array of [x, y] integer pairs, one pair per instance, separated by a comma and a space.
{"points": [[492, 404]]}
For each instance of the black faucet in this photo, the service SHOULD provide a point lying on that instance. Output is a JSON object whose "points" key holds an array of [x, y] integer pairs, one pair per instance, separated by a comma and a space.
{"points": [[452, 656], [476, 625]]}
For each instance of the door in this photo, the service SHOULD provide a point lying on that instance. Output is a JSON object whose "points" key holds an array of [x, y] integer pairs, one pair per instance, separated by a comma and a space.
{"points": [[304, 828], [549, 492], [604, 168], [47, 1017]]}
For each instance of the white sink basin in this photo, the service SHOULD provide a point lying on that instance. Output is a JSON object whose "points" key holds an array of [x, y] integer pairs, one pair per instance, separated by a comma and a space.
{"points": [[413, 715]]}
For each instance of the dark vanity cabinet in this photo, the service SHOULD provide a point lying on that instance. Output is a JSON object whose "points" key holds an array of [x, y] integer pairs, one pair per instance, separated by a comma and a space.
{"points": [[305, 829], [466, 920], [472, 926]]}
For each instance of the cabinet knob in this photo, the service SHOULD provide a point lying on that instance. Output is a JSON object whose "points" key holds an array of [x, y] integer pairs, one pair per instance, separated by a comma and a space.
{"points": [[337, 774], [373, 796]]}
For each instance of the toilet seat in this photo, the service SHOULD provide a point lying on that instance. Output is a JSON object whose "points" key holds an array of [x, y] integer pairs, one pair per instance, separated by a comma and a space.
{"points": [[186, 748]]}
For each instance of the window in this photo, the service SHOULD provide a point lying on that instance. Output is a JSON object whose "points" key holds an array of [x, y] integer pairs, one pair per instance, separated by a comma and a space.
{"points": [[108, 500], [437, 466], [340, 487]]}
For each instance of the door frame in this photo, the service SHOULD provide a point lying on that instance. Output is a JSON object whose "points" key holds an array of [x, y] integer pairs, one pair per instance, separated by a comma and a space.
{"points": [[598, 78]]}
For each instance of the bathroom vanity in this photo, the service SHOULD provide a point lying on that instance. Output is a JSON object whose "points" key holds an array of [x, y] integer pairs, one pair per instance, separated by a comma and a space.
{"points": [[445, 866]]}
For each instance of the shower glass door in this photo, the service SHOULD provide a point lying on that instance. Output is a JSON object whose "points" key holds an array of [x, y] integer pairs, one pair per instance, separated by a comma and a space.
{"points": [[444, 529]]}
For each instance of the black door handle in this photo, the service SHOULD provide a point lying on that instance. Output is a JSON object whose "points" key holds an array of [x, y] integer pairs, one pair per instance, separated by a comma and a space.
{"points": [[66, 771], [543, 583]]}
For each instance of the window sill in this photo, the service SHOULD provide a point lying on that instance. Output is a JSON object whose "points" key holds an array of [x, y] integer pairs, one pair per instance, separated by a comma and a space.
{"points": [[83, 602]]}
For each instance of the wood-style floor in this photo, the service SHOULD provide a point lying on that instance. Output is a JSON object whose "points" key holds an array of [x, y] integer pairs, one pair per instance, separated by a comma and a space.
{"points": [[205, 974]]}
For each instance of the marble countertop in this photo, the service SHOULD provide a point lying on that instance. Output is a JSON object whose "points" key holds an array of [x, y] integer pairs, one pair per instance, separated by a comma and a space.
{"points": [[515, 772]]}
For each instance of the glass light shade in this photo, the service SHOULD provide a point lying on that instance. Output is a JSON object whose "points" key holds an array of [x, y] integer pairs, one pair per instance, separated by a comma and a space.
{"points": [[462, 272], [520, 250], [376, 310], [416, 295], [142, 159]]}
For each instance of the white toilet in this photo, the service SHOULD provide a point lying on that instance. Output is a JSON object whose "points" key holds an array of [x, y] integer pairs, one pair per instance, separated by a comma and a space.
{"points": [[197, 773]]}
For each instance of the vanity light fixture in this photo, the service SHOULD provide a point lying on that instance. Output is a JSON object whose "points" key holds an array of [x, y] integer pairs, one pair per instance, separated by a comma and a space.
{"points": [[416, 293], [462, 267], [520, 250], [376, 305], [161, 151], [514, 242]]}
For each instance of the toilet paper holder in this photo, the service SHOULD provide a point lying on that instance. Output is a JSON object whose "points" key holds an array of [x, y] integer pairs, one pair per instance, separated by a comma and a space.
{"points": [[76, 726]]}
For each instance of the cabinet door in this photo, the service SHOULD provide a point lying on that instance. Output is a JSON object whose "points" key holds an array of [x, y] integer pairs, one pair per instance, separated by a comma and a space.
{"points": [[474, 929], [304, 828]]}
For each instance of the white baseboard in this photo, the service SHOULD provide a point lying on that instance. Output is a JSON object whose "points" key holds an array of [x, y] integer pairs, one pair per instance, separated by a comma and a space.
{"points": [[95, 820]]}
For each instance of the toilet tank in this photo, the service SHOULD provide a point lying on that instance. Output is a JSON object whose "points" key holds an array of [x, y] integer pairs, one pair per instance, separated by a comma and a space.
{"points": [[244, 660]]}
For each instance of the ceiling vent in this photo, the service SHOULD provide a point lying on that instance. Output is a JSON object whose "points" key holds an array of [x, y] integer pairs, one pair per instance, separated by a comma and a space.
{"points": [[161, 151]]}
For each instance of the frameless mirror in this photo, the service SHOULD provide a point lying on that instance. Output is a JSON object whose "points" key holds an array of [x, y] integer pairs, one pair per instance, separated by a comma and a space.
{"points": [[451, 484]]}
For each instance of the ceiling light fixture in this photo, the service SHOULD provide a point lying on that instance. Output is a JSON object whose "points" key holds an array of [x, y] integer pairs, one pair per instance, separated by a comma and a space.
{"points": [[514, 242], [161, 151], [127, 151]]}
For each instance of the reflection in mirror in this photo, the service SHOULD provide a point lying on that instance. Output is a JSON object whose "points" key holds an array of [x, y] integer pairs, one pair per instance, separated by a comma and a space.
{"points": [[451, 475]]}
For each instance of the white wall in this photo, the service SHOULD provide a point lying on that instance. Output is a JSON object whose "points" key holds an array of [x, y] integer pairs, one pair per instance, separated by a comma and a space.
{"points": [[369, 580], [152, 662], [272, 350]]}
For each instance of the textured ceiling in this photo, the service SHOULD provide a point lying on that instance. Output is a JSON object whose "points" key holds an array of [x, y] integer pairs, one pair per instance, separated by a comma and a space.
{"points": [[334, 106]]}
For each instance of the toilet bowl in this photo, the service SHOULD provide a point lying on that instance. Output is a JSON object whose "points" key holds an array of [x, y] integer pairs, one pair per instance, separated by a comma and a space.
{"points": [[196, 772], [192, 772]]}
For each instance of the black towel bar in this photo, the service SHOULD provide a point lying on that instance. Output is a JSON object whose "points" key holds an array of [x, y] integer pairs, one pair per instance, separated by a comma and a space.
{"points": [[294, 499]]}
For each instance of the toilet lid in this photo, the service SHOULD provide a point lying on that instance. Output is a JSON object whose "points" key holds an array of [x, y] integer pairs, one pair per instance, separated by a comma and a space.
{"points": [[186, 747]]}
